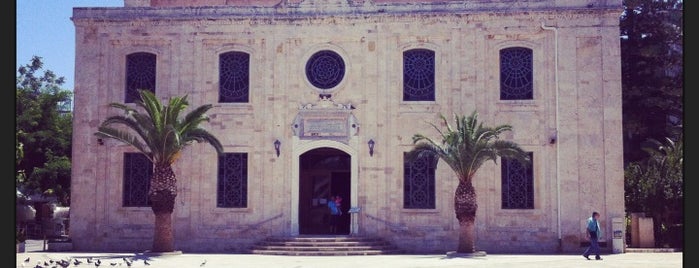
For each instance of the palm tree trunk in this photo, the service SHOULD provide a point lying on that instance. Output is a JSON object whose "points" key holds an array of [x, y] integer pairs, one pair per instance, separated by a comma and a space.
{"points": [[163, 239], [465, 207], [162, 193]]}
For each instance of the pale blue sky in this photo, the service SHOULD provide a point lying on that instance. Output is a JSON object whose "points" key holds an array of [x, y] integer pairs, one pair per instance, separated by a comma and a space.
{"points": [[44, 29]]}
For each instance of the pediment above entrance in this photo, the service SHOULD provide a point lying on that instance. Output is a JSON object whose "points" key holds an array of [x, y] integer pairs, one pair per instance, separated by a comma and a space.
{"points": [[325, 119]]}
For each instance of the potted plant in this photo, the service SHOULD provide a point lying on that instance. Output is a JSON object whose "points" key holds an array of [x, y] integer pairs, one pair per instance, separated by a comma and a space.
{"points": [[20, 237]]}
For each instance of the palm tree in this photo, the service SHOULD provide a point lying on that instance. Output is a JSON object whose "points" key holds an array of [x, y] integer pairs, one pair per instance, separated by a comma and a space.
{"points": [[465, 149], [655, 186], [161, 136]]}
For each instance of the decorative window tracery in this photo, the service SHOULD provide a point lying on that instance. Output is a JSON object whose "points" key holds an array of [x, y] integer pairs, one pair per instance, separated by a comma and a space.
{"points": [[232, 190], [516, 74], [234, 77], [418, 75], [137, 174], [325, 69], [140, 74], [419, 182], [517, 184]]}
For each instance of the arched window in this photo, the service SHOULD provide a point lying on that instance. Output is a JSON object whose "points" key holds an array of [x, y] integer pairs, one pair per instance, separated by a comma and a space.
{"points": [[140, 74], [516, 69], [418, 75], [234, 77]]}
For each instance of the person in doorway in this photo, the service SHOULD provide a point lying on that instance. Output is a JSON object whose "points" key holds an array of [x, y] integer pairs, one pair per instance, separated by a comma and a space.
{"points": [[335, 213], [338, 202], [593, 234]]}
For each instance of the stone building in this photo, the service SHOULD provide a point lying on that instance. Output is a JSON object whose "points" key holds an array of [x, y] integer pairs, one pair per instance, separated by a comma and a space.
{"points": [[313, 97]]}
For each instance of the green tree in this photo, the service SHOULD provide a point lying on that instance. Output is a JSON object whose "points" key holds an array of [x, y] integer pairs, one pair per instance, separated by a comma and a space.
{"points": [[651, 66], [465, 149], [655, 186], [43, 129], [158, 132]]}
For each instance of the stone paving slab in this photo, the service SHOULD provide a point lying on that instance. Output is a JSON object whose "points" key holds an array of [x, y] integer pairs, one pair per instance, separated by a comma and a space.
{"points": [[185, 260]]}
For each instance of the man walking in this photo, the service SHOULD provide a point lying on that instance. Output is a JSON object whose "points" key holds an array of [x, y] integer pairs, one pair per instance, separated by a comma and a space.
{"points": [[593, 233]]}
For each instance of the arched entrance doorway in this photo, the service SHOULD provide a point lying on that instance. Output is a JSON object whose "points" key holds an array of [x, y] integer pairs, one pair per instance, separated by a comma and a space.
{"points": [[322, 172]]}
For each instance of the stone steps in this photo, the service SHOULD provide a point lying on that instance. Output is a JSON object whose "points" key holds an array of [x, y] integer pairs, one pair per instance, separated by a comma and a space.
{"points": [[324, 246]]}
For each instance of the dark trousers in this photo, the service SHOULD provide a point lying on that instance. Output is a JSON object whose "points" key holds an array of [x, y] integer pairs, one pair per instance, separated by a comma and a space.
{"points": [[593, 248], [334, 220]]}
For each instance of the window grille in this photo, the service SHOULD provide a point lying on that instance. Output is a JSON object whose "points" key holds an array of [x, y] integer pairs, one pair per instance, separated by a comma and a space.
{"points": [[516, 71], [140, 74], [234, 77]]}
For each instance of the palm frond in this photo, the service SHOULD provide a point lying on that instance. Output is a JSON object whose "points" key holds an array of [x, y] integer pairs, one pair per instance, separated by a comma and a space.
{"points": [[468, 145], [150, 103], [201, 135], [163, 135], [195, 117], [125, 137], [129, 122], [127, 110]]}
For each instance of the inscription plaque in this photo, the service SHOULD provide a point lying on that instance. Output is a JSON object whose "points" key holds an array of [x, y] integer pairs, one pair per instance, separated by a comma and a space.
{"points": [[315, 127], [325, 119]]}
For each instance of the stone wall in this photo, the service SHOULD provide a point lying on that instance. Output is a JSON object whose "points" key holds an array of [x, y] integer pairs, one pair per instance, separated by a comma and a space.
{"points": [[577, 102], [277, 3]]}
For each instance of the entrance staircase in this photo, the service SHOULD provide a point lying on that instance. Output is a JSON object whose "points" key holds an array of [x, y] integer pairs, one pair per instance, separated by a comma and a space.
{"points": [[324, 246]]}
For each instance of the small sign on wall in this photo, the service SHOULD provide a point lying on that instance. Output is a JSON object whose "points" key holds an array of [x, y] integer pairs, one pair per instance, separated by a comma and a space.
{"points": [[618, 234]]}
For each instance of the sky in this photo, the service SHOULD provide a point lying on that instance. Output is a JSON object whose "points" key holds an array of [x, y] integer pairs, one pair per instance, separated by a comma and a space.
{"points": [[44, 29]]}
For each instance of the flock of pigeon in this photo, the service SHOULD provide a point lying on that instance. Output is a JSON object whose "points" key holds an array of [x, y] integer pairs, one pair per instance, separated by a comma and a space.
{"points": [[128, 262]]}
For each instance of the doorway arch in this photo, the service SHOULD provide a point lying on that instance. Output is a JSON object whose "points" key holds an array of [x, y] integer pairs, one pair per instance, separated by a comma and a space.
{"points": [[324, 173], [329, 148]]}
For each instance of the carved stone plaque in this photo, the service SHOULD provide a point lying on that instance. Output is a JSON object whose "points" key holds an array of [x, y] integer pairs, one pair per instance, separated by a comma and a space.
{"points": [[325, 120], [324, 127]]}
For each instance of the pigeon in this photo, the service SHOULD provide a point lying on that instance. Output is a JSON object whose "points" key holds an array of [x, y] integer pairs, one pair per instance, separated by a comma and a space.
{"points": [[26, 260], [203, 263], [64, 264], [146, 262]]}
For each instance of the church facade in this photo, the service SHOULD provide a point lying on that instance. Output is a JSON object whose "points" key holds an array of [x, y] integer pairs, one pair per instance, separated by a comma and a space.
{"points": [[320, 97]]}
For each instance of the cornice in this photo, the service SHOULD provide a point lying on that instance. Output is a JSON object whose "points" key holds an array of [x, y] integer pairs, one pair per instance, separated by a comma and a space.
{"points": [[169, 16], [314, 10]]}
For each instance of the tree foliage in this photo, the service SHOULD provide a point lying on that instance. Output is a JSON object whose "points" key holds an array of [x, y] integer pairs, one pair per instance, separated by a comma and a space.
{"points": [[652, 82], [43, 132], [655, 186], [465, 147], [652, 93], [159, 132]]}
